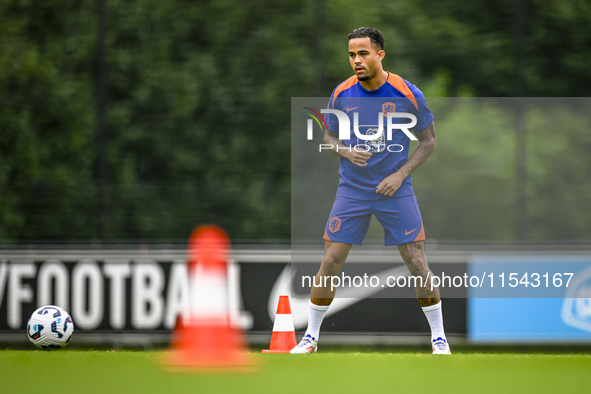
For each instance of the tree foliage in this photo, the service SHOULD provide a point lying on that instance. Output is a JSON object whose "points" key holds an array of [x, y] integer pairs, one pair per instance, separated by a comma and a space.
{"points": [[198, 124]]}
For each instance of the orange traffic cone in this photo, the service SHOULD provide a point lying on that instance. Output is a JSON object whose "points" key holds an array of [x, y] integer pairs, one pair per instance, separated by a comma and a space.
{"points": [[283, 338], [204, 337]]}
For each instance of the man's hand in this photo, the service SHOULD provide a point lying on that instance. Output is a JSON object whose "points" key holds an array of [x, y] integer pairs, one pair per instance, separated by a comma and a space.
{"points": [[390, 184], [426, 146], [359, 158]]}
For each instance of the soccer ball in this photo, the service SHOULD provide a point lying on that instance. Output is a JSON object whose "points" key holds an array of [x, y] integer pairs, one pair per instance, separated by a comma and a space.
{"points": [[50, 328]]}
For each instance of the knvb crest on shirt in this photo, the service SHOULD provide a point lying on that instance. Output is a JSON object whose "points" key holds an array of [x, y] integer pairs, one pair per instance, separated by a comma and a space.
{"points": [[388, 107], [378, 144]]}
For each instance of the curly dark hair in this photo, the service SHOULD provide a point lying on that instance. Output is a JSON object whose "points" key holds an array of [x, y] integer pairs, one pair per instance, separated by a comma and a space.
{"points": [[376, 37]]}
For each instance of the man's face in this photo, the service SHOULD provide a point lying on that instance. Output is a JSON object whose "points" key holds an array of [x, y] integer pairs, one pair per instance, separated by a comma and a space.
{"points": [[365, 58]]}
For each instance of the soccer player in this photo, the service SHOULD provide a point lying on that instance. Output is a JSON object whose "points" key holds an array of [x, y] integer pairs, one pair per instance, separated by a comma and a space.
{"points": [[375, 179]]}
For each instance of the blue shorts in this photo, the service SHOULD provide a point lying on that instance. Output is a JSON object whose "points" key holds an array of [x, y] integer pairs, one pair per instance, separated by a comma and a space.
{"points": [[399, 216]]}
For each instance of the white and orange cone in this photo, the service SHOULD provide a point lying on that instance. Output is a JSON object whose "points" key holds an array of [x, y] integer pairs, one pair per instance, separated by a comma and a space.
{"points": [[204, 337], [283, 338]]}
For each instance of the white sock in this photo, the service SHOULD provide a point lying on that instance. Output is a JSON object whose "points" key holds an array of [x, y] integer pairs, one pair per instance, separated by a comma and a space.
{"points": [[435, 319], [315, 316]]}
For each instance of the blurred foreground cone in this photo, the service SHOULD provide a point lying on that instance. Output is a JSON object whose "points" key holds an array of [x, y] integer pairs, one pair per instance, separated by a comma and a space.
{"points": [[204, 337], [283, 338]]}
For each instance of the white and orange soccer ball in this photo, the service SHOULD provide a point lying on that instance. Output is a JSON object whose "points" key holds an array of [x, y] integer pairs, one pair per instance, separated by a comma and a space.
{"points": [[50, 328]]}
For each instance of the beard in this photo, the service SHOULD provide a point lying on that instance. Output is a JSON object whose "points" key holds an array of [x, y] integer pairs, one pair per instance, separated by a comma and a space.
{"points": [[364, 78]]}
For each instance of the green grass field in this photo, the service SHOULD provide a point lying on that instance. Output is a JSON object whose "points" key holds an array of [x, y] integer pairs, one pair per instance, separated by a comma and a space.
{"points": [[72, 371]]}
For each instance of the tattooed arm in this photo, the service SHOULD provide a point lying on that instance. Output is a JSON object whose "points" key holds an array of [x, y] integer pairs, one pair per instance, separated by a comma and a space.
{"points": [[427, 143]]}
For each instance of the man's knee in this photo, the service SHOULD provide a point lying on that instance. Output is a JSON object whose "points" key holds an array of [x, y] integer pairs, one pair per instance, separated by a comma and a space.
{"points": [[335, 255], [331, 264], [414, 257]]}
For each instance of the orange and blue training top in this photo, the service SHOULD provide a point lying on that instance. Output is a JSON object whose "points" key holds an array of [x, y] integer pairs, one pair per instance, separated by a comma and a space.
{"points": [[388, 155]]}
